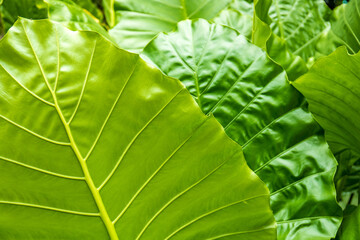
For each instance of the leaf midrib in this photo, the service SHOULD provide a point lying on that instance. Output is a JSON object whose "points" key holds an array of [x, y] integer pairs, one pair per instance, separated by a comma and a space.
{"points": [[95, 192], [88, 179]]}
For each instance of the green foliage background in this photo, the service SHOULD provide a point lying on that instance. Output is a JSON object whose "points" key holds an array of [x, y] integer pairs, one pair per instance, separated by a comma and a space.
{"points": [[280, 76]]}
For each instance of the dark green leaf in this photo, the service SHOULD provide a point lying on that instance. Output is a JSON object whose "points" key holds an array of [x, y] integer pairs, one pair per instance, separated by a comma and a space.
{"points": [[275, 46], [250, 96]]}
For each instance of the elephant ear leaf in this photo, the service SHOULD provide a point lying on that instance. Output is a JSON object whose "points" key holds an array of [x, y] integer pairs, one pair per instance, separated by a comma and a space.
{"points": [[345, 30], [74, 17], [269, 34], [96, 144], [238, 15], [139, 21], [347, 25], [250, 96], [332, 88]]}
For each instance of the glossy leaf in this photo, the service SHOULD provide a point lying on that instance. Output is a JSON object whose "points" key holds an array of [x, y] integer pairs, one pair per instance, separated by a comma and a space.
{"points": [[299, 23], [347, 25], [274, 45], [301, 27], [239, 15], [249, 95], [332, 88], [98, 144], [74, 17], [344, 30], [139, 21]]}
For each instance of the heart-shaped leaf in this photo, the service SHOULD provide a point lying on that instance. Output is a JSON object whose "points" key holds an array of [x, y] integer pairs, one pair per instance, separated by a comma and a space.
{"points": [[96, 144], [250, 96]]}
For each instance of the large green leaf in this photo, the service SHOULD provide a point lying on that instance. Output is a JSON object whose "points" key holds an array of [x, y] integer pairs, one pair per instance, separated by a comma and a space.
{"points": [[346, 25], [250, 96], [332, 88], [344, 30], [299, 23], [74, 17], [303, 28], [95, 143], [138, 21], [239, 15], [275, 46]]}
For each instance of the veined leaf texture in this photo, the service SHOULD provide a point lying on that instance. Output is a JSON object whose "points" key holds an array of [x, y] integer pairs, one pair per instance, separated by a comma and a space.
{"points": [[250, 96], [99, 145]]}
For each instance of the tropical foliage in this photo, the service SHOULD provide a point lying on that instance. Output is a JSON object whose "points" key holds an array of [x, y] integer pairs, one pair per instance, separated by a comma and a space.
{"points": [[181, 119]]}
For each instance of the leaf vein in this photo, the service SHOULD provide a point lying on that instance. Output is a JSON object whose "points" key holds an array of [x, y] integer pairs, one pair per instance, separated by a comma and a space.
{"points": [[177, 196], [221, 65], [267, 126], [110, 112], [252, 100], [157, 170], [41, 170], [233, 85], [27, 90], [301, 180], [211, 212], [282, 153], [133, 140], [34, 133], [239, 233], [50, 208], [84, 84]]}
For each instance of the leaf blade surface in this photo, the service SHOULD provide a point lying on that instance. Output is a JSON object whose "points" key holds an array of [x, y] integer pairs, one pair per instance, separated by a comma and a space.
{"points": [[105, 146]]}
